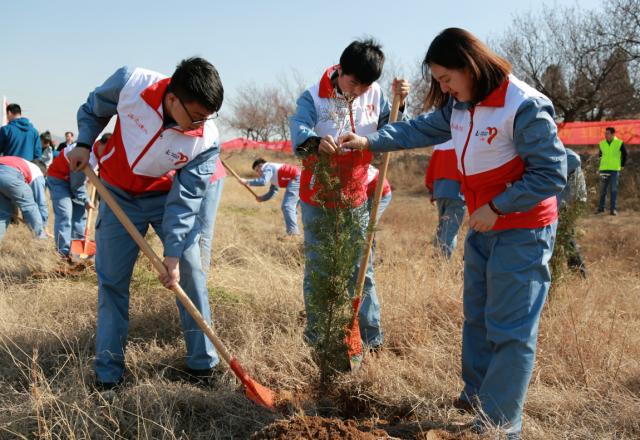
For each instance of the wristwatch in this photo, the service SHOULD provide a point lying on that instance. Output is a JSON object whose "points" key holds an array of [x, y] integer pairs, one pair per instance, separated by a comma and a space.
{"points": [[495, 209]]}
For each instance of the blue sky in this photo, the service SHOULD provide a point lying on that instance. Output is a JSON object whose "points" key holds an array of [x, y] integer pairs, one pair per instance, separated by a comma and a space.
{"points": [[55, 52]]}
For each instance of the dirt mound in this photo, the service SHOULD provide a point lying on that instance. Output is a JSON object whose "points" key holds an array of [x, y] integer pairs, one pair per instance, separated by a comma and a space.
{"points": [[309, 427]]}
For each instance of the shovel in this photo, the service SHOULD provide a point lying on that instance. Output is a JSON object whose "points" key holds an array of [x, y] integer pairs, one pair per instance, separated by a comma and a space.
{"points": [[86, 248], [353, 339], [239, 179], [253, 390]]}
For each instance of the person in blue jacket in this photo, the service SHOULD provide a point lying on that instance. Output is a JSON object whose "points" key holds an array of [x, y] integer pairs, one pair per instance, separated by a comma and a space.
{"points": [[512, 166], [157, 165], [19, 137]]}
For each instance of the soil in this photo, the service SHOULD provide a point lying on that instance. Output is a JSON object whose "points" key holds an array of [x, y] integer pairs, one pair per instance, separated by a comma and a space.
{"points": [[311, 427], [321, 428]]}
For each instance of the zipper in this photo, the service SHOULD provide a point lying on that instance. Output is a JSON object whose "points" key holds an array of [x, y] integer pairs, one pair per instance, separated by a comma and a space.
{"points": [[464, 152], [146, 148]]}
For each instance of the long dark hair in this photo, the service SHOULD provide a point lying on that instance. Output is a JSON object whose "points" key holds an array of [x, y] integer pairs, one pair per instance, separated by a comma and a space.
{"points": [[456, 48]]}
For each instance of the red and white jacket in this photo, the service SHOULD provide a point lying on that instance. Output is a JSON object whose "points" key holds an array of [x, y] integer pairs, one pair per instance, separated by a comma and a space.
{"points": [[142, 155], [487, 158], [372, 182], [59, 168], [442, 165], [336, 117], [29, 170]]}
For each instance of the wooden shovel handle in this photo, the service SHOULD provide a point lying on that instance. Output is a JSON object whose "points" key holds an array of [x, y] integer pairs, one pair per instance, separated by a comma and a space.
{"points": [[239, 178], [156, 262], [373, 217]]}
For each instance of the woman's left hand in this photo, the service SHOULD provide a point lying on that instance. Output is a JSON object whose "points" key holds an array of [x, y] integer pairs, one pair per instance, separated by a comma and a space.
{"points": [[483, 219]]}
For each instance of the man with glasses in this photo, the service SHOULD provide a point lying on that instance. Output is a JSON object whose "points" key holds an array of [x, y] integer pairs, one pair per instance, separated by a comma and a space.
{"points": [[157, 164]]}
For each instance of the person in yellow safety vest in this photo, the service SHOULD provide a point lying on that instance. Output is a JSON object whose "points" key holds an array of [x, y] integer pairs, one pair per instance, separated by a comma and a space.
{"points": [[613, 155]]}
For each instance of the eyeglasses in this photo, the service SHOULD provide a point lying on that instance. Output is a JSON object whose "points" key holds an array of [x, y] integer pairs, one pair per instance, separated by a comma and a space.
{"points": [[199, 121]]}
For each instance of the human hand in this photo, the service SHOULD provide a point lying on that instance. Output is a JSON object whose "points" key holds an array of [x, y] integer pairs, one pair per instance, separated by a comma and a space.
{"points": [[353, 141], [401, 87], [483, 219], [78, 158], [172, 277], [328, 145]]}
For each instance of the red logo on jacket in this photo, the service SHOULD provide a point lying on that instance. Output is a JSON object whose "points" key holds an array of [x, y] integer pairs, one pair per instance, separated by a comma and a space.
{"points": [[183, 159], [487, 135]]}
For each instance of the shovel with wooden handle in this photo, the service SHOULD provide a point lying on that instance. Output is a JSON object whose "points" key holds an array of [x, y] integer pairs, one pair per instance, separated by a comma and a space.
{"points": [[239, 179], [254, 391], [86, 248], [353, 338]]}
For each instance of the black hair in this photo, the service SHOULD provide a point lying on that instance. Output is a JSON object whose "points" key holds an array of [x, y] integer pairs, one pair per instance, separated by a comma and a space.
{"points": [[363, 59], [68, 132], [197, 80], [105, 138], [14, 109], [610, 130], [258, 161]]}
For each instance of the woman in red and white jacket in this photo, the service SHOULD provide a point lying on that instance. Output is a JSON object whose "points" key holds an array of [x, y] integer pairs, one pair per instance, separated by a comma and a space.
{"points": [[512, 165]]}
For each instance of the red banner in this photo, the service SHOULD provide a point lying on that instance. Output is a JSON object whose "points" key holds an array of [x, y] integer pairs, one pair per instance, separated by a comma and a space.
{"points": [[591, 133], [246, 144]]}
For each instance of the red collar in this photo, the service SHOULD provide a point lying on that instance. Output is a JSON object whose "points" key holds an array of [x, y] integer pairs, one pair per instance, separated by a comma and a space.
{"points": [[497, 97], [326, 89], [154, 94]]}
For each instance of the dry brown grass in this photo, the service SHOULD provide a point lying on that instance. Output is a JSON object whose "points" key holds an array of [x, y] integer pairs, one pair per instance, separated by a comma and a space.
{"points": [[586, 384]]}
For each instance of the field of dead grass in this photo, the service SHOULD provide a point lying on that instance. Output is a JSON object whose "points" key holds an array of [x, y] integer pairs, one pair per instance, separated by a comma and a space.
{"points": [[586, 384]]}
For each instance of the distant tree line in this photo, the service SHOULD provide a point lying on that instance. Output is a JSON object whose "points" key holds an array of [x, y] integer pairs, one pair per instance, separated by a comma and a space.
{"points": [[587, 62]]}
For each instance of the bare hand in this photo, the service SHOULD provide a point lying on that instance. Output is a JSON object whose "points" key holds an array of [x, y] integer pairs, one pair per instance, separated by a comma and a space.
{"points": [[78, 158], [401, 87], [258, 199], [483, 219], [172, 277], [89, 205], [244, 181], [353, 141], [328, 145]]}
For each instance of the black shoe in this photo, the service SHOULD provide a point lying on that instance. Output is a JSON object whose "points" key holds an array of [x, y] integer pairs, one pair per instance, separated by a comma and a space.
{"points": [[202, 377], [375, 349], [463, 405], [107, 386], [614, 212], [599, 211]]}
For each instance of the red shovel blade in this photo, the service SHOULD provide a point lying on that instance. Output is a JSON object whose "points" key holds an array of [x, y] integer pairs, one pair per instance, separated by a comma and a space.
{"points": [[353, 339], [258, 393], [78, 248]]}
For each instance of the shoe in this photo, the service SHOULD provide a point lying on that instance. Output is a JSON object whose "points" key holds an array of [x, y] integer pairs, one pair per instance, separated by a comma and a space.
{"points": [[107, 386], [599, 211], [463, 405], [375, 349], [202, 377], [614, 212]]}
